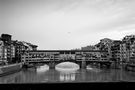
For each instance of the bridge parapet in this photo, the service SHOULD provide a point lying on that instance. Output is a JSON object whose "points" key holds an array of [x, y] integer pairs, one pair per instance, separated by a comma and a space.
{"points": [[45, 56]]}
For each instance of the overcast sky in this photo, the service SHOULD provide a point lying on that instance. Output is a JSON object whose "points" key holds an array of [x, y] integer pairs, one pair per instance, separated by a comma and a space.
{"points": [[66, 24]]}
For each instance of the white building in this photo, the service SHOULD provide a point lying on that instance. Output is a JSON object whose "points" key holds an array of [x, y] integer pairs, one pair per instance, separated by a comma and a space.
{"points": [[1, 49]]}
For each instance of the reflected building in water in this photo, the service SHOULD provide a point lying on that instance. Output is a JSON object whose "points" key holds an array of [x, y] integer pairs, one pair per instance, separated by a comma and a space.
{"points": [[67, 76]]}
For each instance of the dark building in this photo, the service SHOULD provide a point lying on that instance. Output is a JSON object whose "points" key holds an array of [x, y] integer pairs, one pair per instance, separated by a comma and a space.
{"points": [[90, 47], [6, 38], [11, 51], [19, 48], [105, 45], [115, 50], [129, 42], [33, 47]]}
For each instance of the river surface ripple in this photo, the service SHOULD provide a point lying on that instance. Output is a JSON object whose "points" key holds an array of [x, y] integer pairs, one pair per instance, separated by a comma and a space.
{"points": [[82, 75]]}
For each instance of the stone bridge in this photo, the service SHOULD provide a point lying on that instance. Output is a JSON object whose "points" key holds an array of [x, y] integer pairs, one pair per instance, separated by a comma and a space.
{"points": [[81, 57]]}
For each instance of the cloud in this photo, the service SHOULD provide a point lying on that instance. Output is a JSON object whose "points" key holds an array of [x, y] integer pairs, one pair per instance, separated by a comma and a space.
{"points": [[47, 22]]}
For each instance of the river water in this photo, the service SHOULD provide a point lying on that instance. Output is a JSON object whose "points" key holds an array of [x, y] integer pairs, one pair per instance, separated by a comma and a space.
{"points": [[31, 75]]}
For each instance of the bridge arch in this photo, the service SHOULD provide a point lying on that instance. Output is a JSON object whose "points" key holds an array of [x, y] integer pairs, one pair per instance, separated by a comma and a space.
{"points": [[54, 57], [67, 66]]}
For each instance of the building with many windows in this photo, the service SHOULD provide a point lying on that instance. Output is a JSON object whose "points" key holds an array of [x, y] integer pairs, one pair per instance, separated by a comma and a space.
{"points": [[115, 50], [129, 42], [1, 49], [105, 45], [11, 50], [29, 45], [6, 38], [123, 51], [22, 47]]}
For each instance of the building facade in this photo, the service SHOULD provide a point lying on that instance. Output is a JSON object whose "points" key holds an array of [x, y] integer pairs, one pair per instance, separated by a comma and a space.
{"points": [[11, 50], [129, 42], [1, 49], [6, 38], [116, 51], [123, 53], [20, 48], [105, 45]]}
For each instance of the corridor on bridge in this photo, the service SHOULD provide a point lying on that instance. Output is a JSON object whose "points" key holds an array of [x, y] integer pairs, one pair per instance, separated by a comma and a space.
{"points": [[80, 57]]}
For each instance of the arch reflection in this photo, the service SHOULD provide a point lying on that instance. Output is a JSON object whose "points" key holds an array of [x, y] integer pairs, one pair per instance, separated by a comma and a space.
{"points": [[67, 76], [42, 69]]}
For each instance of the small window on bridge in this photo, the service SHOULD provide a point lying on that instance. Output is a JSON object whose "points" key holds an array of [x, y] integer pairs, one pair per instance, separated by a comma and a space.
{"points": [[72, 52], [61, 52], [66, 52]]}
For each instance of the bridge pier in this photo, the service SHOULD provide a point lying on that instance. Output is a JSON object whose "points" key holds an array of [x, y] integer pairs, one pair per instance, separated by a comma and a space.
{"points": [[101, 65], [83, 63], [52, 65], [108, 65]]}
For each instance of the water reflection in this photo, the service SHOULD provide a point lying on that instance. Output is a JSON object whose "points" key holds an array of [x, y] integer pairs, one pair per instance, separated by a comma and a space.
{"points": [[67, 76], [42, 69], [81, 75], [13, 78], [94, 69]]}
